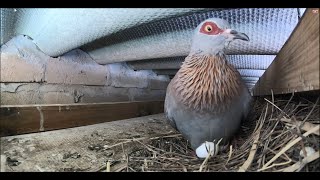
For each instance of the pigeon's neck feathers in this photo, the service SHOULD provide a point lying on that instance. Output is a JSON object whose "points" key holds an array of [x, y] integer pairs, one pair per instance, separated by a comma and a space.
{"points": [[208, 45], [207, 82]]}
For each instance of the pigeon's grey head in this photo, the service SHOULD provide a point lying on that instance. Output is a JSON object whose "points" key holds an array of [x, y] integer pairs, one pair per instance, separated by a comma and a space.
{"points": [[213, 35]]}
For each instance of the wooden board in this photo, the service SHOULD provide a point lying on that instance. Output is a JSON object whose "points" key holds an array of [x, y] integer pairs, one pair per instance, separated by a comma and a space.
{"points": [[296, 67], [22, 119]]}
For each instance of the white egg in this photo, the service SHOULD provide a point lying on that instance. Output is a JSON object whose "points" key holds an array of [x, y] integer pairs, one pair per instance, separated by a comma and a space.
{"points": [[309, 151], [204, 149], [3, 159]]}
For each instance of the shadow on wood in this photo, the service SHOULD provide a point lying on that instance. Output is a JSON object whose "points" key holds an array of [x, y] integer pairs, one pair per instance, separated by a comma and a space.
{"points": [[23, 119]]}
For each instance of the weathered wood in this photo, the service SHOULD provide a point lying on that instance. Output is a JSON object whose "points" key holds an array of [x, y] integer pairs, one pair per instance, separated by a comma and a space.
{"points": [[34, 118], [296, 67]]}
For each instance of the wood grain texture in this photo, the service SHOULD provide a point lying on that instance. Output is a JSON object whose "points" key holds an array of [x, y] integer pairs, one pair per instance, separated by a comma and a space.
{"points": [[35, 118], [296, 67]]}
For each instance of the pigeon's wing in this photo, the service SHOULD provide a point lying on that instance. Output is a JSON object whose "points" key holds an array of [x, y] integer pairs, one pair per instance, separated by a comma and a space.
{"points": [[168, 109], [170, 118], [247, 102]]}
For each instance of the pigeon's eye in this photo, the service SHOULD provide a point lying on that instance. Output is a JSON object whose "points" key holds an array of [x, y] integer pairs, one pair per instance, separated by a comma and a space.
{"points": [[208, 28]]}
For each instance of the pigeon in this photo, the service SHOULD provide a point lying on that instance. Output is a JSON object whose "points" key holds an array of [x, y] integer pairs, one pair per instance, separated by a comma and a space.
{"points": [[206, 100]]}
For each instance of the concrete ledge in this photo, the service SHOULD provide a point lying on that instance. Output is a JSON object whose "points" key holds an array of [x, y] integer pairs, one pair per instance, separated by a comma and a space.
{"points": [[21, 61], [28, 76], [76, 67], [159, 83]]}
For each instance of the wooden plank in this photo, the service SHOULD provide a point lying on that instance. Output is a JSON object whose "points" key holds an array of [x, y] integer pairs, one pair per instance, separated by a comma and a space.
{"points": [[23, 119], [296, 67]]}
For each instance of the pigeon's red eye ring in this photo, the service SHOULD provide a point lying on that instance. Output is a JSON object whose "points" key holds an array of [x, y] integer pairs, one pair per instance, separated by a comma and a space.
{"points": [[210, 28]]}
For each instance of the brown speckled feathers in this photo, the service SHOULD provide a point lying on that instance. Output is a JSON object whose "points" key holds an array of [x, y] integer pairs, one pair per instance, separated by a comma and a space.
{"points": [[207, 83]]}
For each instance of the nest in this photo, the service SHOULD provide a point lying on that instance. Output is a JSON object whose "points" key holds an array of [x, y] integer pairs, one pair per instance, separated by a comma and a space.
{"points": [[277, 136]]}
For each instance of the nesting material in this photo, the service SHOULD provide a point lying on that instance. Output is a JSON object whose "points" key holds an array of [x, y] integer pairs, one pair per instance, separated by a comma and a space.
{"points": [[271, 139]]}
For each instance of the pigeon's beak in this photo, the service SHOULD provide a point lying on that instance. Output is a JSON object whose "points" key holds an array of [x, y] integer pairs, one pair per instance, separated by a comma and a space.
{"points": [[237, 35]]}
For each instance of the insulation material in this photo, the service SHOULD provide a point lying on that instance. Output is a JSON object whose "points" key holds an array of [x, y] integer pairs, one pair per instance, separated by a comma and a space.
{"points": [[251, 72], [243, 72], [57, 31], [247, 78], [268, 29], [7, 20], [238, 61], [169, 31], [251, 61], [145, 34]]}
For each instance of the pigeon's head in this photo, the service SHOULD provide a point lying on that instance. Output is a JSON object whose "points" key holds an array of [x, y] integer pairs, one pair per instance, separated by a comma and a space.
{"points": [[213, 35]]}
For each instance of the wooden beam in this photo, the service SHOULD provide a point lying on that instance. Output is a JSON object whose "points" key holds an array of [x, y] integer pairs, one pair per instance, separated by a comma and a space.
{"points": [[23, 119], [296, 67]]}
